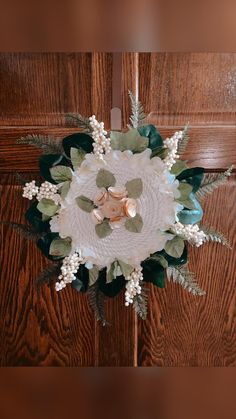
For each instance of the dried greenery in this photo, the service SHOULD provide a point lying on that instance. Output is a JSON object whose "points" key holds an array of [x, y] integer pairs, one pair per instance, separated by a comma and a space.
{"points": [[23, 230], [185, 278], [47, 143], [140, 303], [215, 236], [182, 145], [48, 274], [137, 116], [212, 181], [80, 121], [96, 301]]}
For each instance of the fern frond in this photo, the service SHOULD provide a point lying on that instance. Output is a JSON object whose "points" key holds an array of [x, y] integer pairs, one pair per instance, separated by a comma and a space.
{"points": [[137, 116], [96, 301], [140, 303], [81, 121], [212, 181], [23, 230], [48, 274], [47, 143], [20, 179], [182, 145], [185, 278], [215, 236]]}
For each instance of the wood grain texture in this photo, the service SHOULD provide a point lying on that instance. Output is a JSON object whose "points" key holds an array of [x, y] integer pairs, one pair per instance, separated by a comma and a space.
{"points": [[184, 330]]}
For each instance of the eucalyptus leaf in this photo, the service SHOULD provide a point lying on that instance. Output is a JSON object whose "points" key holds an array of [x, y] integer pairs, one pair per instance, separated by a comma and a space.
{"points": [[153, 135], [185, 189], [93, 275], [103, 230], [113, 272], [134, 224], [126, 269], [60, 247], [130, 140], [61, 173], [64, 189], [77, 140], [105, 179], [77, 155], [193, 176], [175, 247], [47, 161], [159, 259], [178, 167], [47, 207], [134, 188], [85, 203]]}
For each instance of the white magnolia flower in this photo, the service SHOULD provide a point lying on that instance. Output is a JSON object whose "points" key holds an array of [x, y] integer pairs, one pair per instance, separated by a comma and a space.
{"points": [[156, 205]]}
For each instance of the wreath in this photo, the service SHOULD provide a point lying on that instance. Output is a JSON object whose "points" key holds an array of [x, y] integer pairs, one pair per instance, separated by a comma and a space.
{"points": [[117, 210]]}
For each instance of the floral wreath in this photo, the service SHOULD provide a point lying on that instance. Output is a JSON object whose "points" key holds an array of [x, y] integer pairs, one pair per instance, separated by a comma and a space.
{"points": [[117, 210]]}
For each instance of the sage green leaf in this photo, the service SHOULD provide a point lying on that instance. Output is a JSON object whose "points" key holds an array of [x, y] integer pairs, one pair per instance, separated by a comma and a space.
{"points": [[105, 179], [103, 229], [175, 247], [60, 247], [85, 203], [61, 173], [187, 203], [64, 189], [113, 272], [159, 259], [45, 217], [47, 207], [93, 275], [126, 269], [178, 167], [135, 224], [185, 189], [77, 155], [130, 140], [134, 188]]}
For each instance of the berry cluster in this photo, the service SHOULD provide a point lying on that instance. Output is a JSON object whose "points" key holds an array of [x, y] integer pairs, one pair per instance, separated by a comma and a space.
{"points": [[68, 270], [191, 233], [101, 143], [132, 286], [172, 145]]}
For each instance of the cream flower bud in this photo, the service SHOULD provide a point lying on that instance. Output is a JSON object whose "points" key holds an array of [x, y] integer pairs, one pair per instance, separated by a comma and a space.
{"points": [[130, 207], [112, 209], [97, 216]]}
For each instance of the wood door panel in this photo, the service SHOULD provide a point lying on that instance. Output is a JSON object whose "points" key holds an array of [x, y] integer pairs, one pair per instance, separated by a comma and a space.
{"points": [[184, 330]]}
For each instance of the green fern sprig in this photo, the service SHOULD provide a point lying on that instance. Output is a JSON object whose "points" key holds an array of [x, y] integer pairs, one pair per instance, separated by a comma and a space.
{"points": [[185, 278], [182, 145], [23, 230], [140, 303], [137, 116], [215, 236], [96, 301], [212, 181], [47, 143], [49, 273], [81, 121]]}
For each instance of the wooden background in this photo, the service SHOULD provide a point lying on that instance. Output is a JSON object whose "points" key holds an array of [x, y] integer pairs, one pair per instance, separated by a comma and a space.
{"points": [[58, 329]]}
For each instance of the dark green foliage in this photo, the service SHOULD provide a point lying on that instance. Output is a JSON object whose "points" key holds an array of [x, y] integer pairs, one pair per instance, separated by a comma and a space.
{"points": [[44, 244], [155, 139], [82, 279], [78, 140], [47, 161], [175, 261], [153, 272], [193, 176], [34, 217], [113, 288]]}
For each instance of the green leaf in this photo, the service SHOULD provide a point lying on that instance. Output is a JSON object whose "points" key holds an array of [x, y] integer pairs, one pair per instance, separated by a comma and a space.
{"points": [[126, 269], [77, 155], [85, 203], [155, 139], [93, 275], [77, 284], [175, 247], [185, 189], [113, 288], [187, 203], [176, 261], [47, 207], [134, 188], [44, 244], [61, 173], [46, 162], [130, 140], [60, 247], [192, 215], [36, 219], [64, 189], [82, 275], [105, 179], [134, 224], [192, 176], [78, 140], [153, 272], [178, 167], [113, 272], [103, 230], [159, 259]]}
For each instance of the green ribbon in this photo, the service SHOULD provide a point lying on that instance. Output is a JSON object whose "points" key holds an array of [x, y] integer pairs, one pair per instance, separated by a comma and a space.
{"points": [[187, 216]]}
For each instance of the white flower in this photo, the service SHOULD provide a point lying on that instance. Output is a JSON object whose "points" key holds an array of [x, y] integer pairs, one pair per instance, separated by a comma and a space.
{"points": [[156, 205]]}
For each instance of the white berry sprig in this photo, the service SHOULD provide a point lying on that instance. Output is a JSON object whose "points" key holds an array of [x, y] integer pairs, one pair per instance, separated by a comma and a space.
{"points": [[133, 285], [102, 144], [191, 233], [172, 145], [68, 270]]}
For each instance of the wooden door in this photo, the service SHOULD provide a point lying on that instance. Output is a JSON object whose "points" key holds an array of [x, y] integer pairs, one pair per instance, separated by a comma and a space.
{"points": [[59, 329]]}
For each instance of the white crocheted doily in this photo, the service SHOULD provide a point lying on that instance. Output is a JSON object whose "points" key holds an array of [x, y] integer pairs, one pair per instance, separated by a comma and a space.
{"points": [[156, 205]]}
